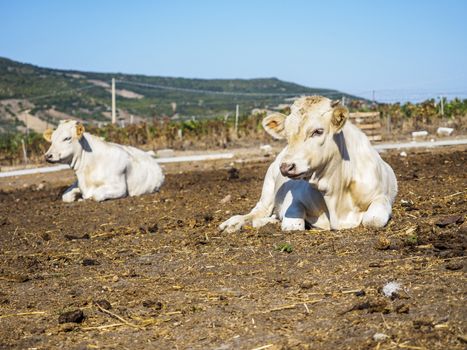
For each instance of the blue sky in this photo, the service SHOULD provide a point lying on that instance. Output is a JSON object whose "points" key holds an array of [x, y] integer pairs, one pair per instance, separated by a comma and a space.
{"points": [[398, 48]]}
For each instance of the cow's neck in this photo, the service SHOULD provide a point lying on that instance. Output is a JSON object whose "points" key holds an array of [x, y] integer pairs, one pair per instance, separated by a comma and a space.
{"points": [[337, 172], [77, 162]]}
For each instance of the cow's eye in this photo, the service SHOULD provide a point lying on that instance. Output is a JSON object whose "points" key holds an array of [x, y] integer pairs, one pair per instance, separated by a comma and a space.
{"points": [[67, 138], [317, 132]]}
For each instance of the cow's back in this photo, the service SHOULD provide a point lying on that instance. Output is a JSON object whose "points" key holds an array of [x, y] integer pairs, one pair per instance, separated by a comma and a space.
{"points": [[144, 175]]}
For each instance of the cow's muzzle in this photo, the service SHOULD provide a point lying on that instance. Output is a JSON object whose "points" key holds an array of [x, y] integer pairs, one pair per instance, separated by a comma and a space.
{"points": [[289, 170], [49, 158]]}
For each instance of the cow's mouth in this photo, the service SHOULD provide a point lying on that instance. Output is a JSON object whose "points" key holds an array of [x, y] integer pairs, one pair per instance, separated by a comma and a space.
{"points": [[299, 176]]}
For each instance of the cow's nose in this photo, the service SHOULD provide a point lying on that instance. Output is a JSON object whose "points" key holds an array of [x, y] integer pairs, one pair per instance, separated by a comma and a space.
{"points": [[287, 168], [48, 156]]}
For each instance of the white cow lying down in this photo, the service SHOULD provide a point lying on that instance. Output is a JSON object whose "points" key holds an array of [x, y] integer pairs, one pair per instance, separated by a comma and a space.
{"points": [[328, 175], [104, 170]]}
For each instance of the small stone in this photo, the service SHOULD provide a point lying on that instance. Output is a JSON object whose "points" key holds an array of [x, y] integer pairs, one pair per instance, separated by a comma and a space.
{"points": [[307, 284], [233, 173], [391, 289], [360, 293], [76, 316], [372, 306], [115, 278], [67, 327], [45, 236], [226, 199], [104, 304], [90, 262], [454, 219], [153, 228], [383, 243], [463, 228], [75, 237], [402, 309], [454, 266], [406, 203], [380, 337], [425, 325], [208, 217], [157, 305]]}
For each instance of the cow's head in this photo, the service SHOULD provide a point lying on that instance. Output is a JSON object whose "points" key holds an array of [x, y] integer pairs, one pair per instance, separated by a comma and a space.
{"points": [[310, 130], [64, 141]]}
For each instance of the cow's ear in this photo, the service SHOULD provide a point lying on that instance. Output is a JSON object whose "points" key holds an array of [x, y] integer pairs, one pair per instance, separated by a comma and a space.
{"points": [[340, 114], [274, 125], [47, 135], [79, 130]]}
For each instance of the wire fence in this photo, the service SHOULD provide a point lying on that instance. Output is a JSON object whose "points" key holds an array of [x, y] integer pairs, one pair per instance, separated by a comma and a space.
{"points": [[61, 92], [377, 95], [374, 96], [383, 120], [228, 93], [410, 95]]}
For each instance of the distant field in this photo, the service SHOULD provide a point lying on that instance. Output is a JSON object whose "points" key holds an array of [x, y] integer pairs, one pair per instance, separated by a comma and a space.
{"points": [[86, 95]]}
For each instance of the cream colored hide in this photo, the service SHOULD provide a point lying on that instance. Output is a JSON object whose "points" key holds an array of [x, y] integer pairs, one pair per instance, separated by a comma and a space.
{"points": [[104, 170], [328, 175]]}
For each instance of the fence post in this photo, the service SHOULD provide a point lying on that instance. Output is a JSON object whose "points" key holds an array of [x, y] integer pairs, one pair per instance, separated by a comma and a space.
{"points": [[236, 120], [114, 116], [442, 106], [27, 123], [25, 154], [389, 124]]}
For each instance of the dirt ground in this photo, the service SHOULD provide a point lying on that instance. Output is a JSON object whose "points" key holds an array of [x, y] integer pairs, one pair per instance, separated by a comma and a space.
{"points": [[153, 272]]}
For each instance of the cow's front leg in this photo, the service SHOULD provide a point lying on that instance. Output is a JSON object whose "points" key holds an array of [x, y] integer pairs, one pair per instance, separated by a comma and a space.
{"points": [[71, 193], [293, 219], [260, 215], [111, 191], [378, 213]]}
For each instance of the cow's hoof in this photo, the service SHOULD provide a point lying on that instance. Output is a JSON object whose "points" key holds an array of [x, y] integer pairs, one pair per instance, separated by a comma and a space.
{"points": [[291, 224], [375, 219], [234, 224], [68, 199]]}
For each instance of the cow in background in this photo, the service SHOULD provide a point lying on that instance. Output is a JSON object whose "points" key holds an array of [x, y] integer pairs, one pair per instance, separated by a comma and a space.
{"points": [[104, 170]]}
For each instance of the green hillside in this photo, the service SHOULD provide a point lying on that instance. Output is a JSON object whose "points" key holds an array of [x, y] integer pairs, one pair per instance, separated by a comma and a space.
{"points": [[51, 94]]}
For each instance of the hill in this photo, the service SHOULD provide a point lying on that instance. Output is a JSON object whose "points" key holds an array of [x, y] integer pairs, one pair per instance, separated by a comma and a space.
{"points": [[41, 96]]}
